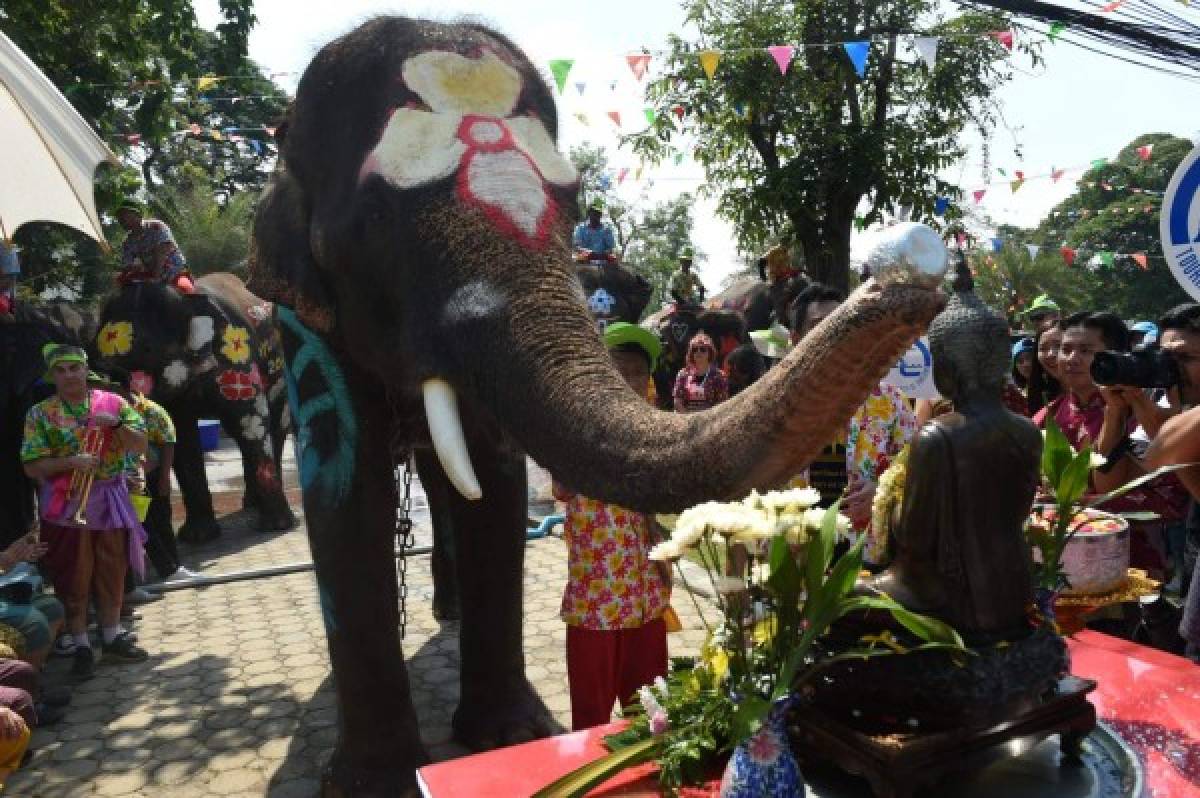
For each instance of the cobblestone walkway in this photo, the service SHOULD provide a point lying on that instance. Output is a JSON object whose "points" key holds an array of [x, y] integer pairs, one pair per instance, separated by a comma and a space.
{"points": [[237, 697]]}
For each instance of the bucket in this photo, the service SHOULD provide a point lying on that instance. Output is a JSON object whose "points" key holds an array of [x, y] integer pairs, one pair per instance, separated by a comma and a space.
{"points": [[210, 434], [141, 505]]}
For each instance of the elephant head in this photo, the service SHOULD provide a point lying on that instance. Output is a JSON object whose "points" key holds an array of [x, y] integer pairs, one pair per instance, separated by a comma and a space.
{"points": [[421, 218], [158, 335]]}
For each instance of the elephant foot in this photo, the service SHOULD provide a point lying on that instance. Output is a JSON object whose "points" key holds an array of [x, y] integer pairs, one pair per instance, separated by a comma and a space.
{"points": [[445, 609], [494, 720], [340, 780], [279, 519], [199, 530]]}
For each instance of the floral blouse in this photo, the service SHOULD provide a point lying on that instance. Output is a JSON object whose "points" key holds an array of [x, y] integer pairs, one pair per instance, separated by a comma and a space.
{"points": [[54, 428], [139, 252], [692, 393], [160, 430], [611, 582]]}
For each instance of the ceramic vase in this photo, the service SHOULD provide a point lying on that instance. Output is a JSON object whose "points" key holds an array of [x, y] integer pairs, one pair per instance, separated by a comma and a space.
{"points": [[763, 765]]}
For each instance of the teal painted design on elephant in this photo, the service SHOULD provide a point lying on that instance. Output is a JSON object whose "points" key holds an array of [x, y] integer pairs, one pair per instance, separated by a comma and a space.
{"points": [[330, 472], [327, 614]]}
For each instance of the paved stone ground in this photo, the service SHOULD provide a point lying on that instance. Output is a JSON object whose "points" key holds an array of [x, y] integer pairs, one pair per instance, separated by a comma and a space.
{"points": [[237, 697]]}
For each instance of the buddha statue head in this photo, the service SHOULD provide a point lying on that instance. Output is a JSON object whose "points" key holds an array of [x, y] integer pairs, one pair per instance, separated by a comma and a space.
{"points": [[969, 343]]}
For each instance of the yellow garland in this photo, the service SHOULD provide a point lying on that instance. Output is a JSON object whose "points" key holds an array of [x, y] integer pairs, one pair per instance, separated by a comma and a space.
{"points": [[889, 494]]}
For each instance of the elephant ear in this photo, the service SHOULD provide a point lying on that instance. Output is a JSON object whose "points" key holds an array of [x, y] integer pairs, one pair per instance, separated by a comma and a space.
{"points": [[282, 266]]}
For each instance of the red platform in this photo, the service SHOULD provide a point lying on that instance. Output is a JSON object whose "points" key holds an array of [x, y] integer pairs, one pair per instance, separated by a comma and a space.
{"points": [[1150, 698]]}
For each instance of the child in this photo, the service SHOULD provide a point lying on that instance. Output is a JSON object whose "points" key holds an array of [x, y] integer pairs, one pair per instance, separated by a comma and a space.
{"points": [[615, 596]]}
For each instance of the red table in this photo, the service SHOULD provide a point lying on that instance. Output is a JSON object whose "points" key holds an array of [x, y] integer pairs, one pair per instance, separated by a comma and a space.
{"points": [[1150, 698]]}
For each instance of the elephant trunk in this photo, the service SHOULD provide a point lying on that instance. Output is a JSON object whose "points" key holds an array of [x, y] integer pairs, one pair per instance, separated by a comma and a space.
{"points": [[540, 367]]}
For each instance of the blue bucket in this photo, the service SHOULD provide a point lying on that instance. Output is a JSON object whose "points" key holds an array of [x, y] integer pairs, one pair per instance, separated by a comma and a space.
{"points": [[210, 434]]}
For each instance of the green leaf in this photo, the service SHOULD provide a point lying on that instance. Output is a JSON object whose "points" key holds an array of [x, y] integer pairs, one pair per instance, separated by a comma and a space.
{"points": [[923, 626], [748, 717], [1056, 453], [579, 781], [1074, 480], [785, 579]]}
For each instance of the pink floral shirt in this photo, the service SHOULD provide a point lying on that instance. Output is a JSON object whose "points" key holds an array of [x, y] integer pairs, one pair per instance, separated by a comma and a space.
{"points": [[611, 583]]}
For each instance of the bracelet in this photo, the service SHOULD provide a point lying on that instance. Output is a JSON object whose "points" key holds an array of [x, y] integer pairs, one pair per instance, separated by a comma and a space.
{"points": [[1122, 448]]}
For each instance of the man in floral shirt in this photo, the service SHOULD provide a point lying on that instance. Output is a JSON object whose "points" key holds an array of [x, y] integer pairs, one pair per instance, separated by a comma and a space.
{"points": [[149, 252], [615, 596], [850, 467]]}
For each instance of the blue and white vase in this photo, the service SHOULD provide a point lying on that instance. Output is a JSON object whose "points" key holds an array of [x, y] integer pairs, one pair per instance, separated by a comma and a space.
{"points": [[763, 765]]}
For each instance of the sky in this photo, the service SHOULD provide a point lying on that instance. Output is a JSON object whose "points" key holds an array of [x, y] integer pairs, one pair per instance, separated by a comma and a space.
{"points": [[1076, 107]]}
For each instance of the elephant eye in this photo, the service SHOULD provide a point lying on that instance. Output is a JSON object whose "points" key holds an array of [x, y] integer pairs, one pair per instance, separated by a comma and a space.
{"points": [[417, 104]]}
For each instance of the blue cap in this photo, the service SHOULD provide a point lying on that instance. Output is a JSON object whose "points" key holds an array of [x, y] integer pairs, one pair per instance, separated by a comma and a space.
{"points": [[1148, 328], [10, 266], [1024, 345]]}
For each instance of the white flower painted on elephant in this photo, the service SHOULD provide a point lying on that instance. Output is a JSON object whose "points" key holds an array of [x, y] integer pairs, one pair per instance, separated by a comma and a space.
{"points": [[601, 302], [252, 427], [175, 373], [200, 332], [503, 162], [260, 405]]}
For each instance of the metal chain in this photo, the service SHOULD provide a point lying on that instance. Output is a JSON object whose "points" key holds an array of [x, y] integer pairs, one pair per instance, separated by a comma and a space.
{"points": [[402, 472]]}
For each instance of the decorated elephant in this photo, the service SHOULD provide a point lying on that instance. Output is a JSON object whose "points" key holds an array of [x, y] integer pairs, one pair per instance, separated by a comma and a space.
{"points": [[211, 354], [761, 302], [418, 255], [21, 369], [614, 293]]}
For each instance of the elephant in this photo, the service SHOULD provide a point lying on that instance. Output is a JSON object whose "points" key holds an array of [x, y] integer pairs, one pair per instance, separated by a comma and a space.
{"points": [[21, 370], [614, 293], [211, 354], [761, 301], [418, 255]]}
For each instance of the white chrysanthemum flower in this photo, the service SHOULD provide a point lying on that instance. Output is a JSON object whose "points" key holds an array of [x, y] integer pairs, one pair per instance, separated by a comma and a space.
{"points": [[1098, 460], [791, 500], [666, 551]]}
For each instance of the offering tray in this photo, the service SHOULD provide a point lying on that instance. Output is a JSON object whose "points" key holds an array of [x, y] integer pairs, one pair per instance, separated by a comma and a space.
{"points": [[1109, 769], [1071, 612], [905, 765]]}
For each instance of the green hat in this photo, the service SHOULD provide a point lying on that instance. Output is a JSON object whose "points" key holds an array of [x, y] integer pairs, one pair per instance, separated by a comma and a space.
{"points": [[597, 204], [622, 332], [773, 342], [54, 354], [1041, 306], [687, 253], [131, 205]]}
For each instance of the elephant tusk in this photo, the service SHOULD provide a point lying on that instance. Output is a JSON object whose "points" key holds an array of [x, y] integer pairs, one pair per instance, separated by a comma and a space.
{"points": [[445, 428]]}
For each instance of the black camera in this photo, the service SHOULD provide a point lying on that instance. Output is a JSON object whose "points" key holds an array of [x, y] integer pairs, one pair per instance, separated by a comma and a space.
{"points": [[1144, 367]]}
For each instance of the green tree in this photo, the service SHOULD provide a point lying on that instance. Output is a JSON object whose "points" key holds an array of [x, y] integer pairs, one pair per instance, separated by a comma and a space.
{"points": [[1113, 215], [1010, 279], [136, 71], [214, 236], [649, 240], [804, 153]]}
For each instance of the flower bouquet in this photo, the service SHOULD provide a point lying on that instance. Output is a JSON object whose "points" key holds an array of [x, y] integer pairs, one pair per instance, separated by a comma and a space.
{"points": [[731, 701]]}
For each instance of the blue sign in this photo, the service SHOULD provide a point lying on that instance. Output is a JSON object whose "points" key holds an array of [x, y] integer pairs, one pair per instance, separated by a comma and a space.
{"points": [[1179, 224]]}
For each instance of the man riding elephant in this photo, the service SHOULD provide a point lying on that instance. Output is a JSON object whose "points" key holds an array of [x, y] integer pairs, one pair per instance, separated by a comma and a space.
{"points": [[210, 354], [402, 331]]}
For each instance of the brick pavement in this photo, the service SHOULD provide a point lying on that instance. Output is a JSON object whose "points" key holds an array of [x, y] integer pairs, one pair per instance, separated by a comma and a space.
{"points": [[237, 698]]}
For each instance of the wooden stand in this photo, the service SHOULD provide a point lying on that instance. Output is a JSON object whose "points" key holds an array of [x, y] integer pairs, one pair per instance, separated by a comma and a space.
{"points": [[898, 765]]}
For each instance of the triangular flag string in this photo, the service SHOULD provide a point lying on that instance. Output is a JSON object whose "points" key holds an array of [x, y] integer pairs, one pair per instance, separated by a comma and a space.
{"points": [[638, 64], [857, 52], [560, 68], [708, 62], [782, 53], [926, 47]]}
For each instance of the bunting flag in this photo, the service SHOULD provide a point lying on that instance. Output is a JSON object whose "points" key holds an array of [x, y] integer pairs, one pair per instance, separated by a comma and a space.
{"points": [[1016, 184], [926, 47], [206, 82], [1099, 163], [678, 158], [194, 128], [621, 175], [1055, 174], [583, 119], [134, 138], [1140, 259], [1033, 250], [679, 112], [978, 194], [638, 64], [1111, 7], [649, 115], [1106, 258], [708, 62], [1056, 30], [997, 244], [615, 116], [858, 51], [1020, 175], [637, 174], [940, 205], [581, 86], [612, 85], [1144, 152], [1005, 37], [560, 68], [1001, 172], [1068, 255], [782, 53]]}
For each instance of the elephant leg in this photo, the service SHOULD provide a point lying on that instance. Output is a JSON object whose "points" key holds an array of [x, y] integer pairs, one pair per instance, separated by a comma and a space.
{"points": [[201, 525], [248, 423], [497, 705], [445, 579]]}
